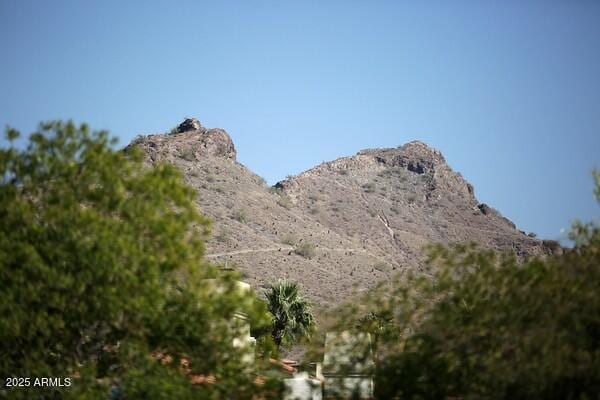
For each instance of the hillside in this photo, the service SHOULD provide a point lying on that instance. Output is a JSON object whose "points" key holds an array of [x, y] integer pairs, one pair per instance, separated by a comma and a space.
{"points": [[357, 220]]}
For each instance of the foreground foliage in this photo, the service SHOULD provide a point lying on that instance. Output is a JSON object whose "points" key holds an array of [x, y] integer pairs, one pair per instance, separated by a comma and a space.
{"points": [[488, 326], [101, 264]]}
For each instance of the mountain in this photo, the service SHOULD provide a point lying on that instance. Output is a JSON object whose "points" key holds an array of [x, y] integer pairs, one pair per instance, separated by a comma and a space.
{"points": [[353, 221]]}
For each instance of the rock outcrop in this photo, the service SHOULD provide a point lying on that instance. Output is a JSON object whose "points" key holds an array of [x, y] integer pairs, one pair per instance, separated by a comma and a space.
{"points": [[190, 141], [190, 124]]}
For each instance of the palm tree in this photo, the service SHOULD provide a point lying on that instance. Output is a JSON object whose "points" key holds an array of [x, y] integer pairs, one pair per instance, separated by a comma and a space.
{"points": [[292, 316]]}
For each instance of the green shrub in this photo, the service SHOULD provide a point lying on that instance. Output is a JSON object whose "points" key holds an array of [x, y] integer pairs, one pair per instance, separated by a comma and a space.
{"points": [[284, 201], [240, 215], [306, 250]]}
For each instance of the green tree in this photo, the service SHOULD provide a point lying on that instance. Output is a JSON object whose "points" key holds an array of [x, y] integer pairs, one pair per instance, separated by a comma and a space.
{"points": [[292, 315], [101, 269], [488, 326]]}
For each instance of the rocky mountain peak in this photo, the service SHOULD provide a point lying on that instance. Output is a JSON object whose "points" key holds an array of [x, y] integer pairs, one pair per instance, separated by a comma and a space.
{"points": [[189, 141], [415, 156], [414, 161]]}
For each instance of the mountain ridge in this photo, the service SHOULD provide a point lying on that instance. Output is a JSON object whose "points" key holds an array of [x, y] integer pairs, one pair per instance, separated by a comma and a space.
{"points": [[342, 225]]}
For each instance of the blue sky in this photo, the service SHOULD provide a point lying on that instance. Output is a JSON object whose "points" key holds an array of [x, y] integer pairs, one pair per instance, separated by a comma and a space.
{"points": [[508, 91]]}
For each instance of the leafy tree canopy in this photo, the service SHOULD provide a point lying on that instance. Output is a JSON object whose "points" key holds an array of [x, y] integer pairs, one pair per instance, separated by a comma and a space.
{"points": [[102, 270]]}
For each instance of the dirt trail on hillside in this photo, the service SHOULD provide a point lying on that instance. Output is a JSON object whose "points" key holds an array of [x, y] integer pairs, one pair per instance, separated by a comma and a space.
{"points": [[286, 248]]}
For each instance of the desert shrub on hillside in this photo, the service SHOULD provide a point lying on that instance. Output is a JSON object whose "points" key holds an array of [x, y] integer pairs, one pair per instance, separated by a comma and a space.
{"points": [[223, 236], [368, 187], [240, 215], [382, 266], [284, 201], [187, 154], [306, 250]]}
